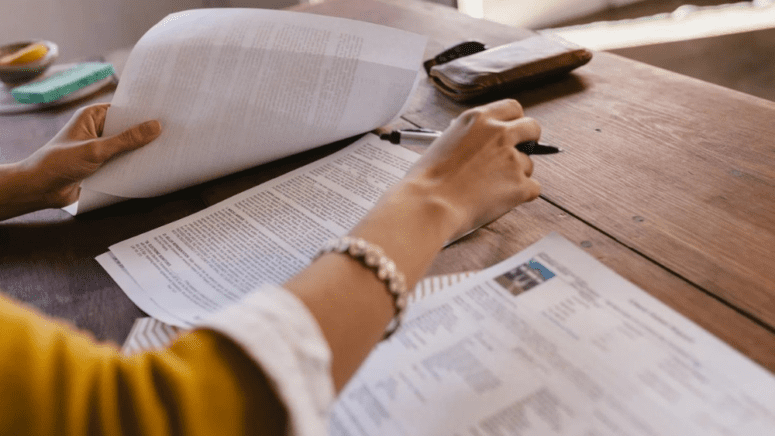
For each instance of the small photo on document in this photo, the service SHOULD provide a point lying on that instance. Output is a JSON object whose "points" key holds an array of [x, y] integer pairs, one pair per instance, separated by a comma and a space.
{"points": [[524, 277]]}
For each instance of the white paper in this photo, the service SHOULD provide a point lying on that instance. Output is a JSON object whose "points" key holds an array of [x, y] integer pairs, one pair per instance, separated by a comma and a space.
{"points": [[135, 293], [185, 270], [575, 351], [235, 88], [149, 334]]}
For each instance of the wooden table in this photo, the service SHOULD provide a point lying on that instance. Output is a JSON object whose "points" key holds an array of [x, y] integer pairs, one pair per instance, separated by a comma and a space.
{"points": [[668, 180]]}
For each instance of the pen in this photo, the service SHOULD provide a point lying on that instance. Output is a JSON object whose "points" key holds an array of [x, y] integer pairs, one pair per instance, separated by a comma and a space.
{"points": [[426, 136]]}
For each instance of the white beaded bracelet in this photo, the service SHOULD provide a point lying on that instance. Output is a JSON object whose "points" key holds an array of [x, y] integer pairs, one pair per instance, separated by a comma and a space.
{"points": [[374, 258]]}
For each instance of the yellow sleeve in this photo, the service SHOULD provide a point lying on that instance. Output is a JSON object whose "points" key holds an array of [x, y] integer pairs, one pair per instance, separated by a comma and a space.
{"points": [[55, 381]]}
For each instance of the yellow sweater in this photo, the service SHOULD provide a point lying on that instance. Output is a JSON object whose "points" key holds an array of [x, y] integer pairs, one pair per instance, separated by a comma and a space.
{"points": [[55, 381]]}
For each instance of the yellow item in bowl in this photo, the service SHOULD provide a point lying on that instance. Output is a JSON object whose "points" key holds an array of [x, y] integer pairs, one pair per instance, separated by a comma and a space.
{"points": [[28, 54]]}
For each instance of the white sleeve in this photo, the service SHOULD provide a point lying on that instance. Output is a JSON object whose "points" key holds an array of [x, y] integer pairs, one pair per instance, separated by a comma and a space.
{"points": [[277, 330]]}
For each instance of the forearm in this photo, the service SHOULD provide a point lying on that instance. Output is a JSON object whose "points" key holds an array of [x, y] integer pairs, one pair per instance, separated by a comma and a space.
{"points": [[16, 195], [351, 305], [469, 176]]}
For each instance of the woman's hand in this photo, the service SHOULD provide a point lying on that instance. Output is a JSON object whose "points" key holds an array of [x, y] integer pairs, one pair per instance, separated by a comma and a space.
{"points": [[51, 176], [474, 168], [468, 177]]}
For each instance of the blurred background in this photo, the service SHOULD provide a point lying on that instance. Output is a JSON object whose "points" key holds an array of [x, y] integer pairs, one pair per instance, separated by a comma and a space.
{"points": [[85, 28], [728, 43]]}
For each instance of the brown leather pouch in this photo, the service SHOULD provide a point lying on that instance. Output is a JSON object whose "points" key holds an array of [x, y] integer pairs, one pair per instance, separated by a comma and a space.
{"points": [[509, 67]]}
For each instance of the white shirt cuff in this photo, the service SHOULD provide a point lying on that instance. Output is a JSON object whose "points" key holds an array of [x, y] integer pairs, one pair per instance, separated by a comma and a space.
{"points": [[277, 330]]}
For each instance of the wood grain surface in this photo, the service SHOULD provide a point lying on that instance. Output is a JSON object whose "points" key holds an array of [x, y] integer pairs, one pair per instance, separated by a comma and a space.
{"points": [[530, 222], [674, 168], [667, 180], [679, 172], [741, 61], [677, 169]]}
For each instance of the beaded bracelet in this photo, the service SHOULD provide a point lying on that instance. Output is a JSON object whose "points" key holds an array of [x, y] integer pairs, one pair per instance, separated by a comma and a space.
{"points": [[374, 258]]}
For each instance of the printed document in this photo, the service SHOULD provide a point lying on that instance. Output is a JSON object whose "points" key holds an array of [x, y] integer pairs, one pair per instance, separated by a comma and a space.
{"points": [[551, 342], [185, 270], [548, 342], [235, 88]]}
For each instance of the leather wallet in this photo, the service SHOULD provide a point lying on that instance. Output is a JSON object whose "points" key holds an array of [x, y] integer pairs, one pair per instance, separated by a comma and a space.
{"points": [[509, 67]]}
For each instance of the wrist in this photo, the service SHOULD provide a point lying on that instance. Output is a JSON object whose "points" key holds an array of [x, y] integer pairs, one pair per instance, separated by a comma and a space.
{"points": [[17, 195], [415, 206], [411, 223], [434, 210]]}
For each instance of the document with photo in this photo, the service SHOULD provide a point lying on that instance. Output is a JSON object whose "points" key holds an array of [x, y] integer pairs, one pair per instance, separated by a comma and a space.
{"points": [[551, 342]]}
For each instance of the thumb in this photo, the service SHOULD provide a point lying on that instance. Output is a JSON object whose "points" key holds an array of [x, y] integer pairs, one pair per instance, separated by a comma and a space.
{"points": [[130, 139]]}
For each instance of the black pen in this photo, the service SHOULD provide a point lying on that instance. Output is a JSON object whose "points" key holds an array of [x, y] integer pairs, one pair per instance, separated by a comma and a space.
{"points": [[426, 136]]}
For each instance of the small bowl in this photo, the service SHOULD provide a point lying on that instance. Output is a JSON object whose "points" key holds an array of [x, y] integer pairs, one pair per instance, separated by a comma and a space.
{"points": [[17, 74]]}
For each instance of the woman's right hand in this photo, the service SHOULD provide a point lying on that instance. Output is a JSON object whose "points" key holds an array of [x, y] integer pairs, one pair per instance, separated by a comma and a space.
{"points": [[469, 176], [474, 168]]}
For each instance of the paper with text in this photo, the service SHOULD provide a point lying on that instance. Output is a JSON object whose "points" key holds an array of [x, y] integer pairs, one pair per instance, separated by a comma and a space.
{"points": [[551, 342], [185, 270], [235, 88]]}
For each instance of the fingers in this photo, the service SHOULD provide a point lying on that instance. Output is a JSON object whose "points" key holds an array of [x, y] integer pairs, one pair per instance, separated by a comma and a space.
{"points": [[524, 187], [127, 140], [87, 122], [518, 131], [98, 107], [502, 110], [505, 110], [95, 110], [532, 190], [525, 163], [100, 115], [525, 129]]}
